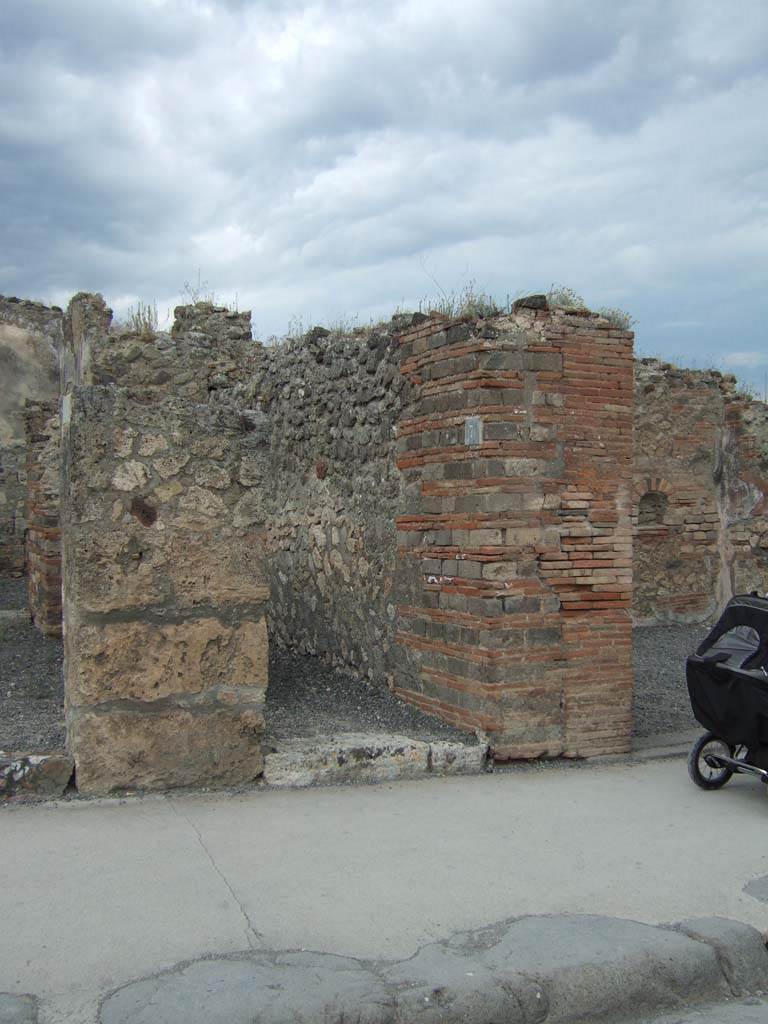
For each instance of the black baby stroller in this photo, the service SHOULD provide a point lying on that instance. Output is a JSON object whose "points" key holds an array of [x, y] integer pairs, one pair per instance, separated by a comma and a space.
{"points": [[728, 686]]}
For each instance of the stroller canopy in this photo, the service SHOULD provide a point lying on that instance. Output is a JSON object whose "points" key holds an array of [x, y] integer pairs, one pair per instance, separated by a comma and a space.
{"points": [[728, 675]]}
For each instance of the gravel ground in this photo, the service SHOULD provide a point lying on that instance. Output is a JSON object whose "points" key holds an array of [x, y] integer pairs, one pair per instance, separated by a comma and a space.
{"points": [[306, 697], [661, 696], [31, 685]]}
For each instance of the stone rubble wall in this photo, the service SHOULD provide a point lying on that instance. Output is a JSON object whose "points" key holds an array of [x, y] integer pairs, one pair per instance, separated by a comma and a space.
{"points": [[516, 455], [87, 323], [209, 348], [13, 500], [333, 401], [462, 575], [43, 541], [30, 340], [705, 448], [165, 589], [443, 507], [746, 494]]}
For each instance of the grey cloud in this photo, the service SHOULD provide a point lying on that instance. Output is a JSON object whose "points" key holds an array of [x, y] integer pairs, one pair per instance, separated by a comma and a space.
{"points": [[314, 154], [94, 35]]}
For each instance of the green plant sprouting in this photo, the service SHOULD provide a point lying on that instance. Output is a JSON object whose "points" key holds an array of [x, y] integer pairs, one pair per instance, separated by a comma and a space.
{"points": [[560, 297], [198, 291], [143, 319], [468, 301], [618, 318]]}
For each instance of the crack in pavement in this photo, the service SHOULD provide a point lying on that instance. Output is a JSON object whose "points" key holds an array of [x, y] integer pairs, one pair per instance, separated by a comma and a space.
{"points": [[254, 937]]}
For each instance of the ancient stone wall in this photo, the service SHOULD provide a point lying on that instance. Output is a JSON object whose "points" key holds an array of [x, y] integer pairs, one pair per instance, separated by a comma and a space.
{"points": [[500, 452], [333, 402], [209, 348], [30, 339], [43, 541], [701, 492], [87, 323], [165, 592], [443, 507], [745, 480], [13, 499], [516, 452]]}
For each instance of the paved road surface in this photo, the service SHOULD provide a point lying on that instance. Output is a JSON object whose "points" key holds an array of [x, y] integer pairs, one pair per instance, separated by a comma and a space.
{"points": [[98, 893], [738, 1011]]}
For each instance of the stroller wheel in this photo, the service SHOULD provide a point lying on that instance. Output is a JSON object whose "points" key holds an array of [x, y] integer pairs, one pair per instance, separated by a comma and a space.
{"points": [[705, 775]]}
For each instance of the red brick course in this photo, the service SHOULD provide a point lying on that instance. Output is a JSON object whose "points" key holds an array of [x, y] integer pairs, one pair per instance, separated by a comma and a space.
{"points": [[520, 625]]}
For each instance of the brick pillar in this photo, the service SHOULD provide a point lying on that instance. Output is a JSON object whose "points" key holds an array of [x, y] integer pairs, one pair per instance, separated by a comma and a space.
{"points": [[43, 541], [165, 634], [516, 456], [590, 566]]}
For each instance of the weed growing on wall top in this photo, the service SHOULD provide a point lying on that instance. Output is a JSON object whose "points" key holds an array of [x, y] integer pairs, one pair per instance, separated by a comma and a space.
{"points": [[197, 291], [469, 301], [143, 319], [618, 318], [559, 297]]}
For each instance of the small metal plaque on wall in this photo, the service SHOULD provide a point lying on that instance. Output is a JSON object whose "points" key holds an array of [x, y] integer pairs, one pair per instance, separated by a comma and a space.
{"points": [[473, 431]]}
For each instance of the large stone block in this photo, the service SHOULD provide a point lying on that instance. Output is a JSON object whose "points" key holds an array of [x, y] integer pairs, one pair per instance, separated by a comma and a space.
{"points": [[147, 661], [137, 750], [133, 566], [349, 757]]}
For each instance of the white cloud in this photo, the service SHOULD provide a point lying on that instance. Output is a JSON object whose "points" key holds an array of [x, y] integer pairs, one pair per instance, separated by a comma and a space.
{"points": [[310, 156], [750, 360]]}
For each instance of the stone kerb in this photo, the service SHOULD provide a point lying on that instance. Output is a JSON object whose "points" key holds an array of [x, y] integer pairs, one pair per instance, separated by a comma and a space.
{"points": [[165, 593], [516, 454]]}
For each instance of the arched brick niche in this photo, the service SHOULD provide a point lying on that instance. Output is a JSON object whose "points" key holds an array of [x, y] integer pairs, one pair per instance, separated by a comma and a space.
{"points": [[652, 508], [675, 550], [652, 496]]}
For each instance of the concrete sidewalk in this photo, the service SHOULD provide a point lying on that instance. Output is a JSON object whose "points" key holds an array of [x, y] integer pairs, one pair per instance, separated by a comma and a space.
{"points": [[99, 893]]}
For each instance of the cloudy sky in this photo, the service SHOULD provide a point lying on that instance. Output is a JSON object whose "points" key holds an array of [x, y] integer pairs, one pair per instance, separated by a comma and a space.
{"points": [[335, 158]]}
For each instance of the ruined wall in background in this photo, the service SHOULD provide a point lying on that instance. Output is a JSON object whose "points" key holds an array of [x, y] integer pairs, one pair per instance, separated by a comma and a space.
{"points": [[745, 479], [333, 401], [701, 487], [43, 540], [165, 595], [30, 338], [679, 417], [13, 507]]}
